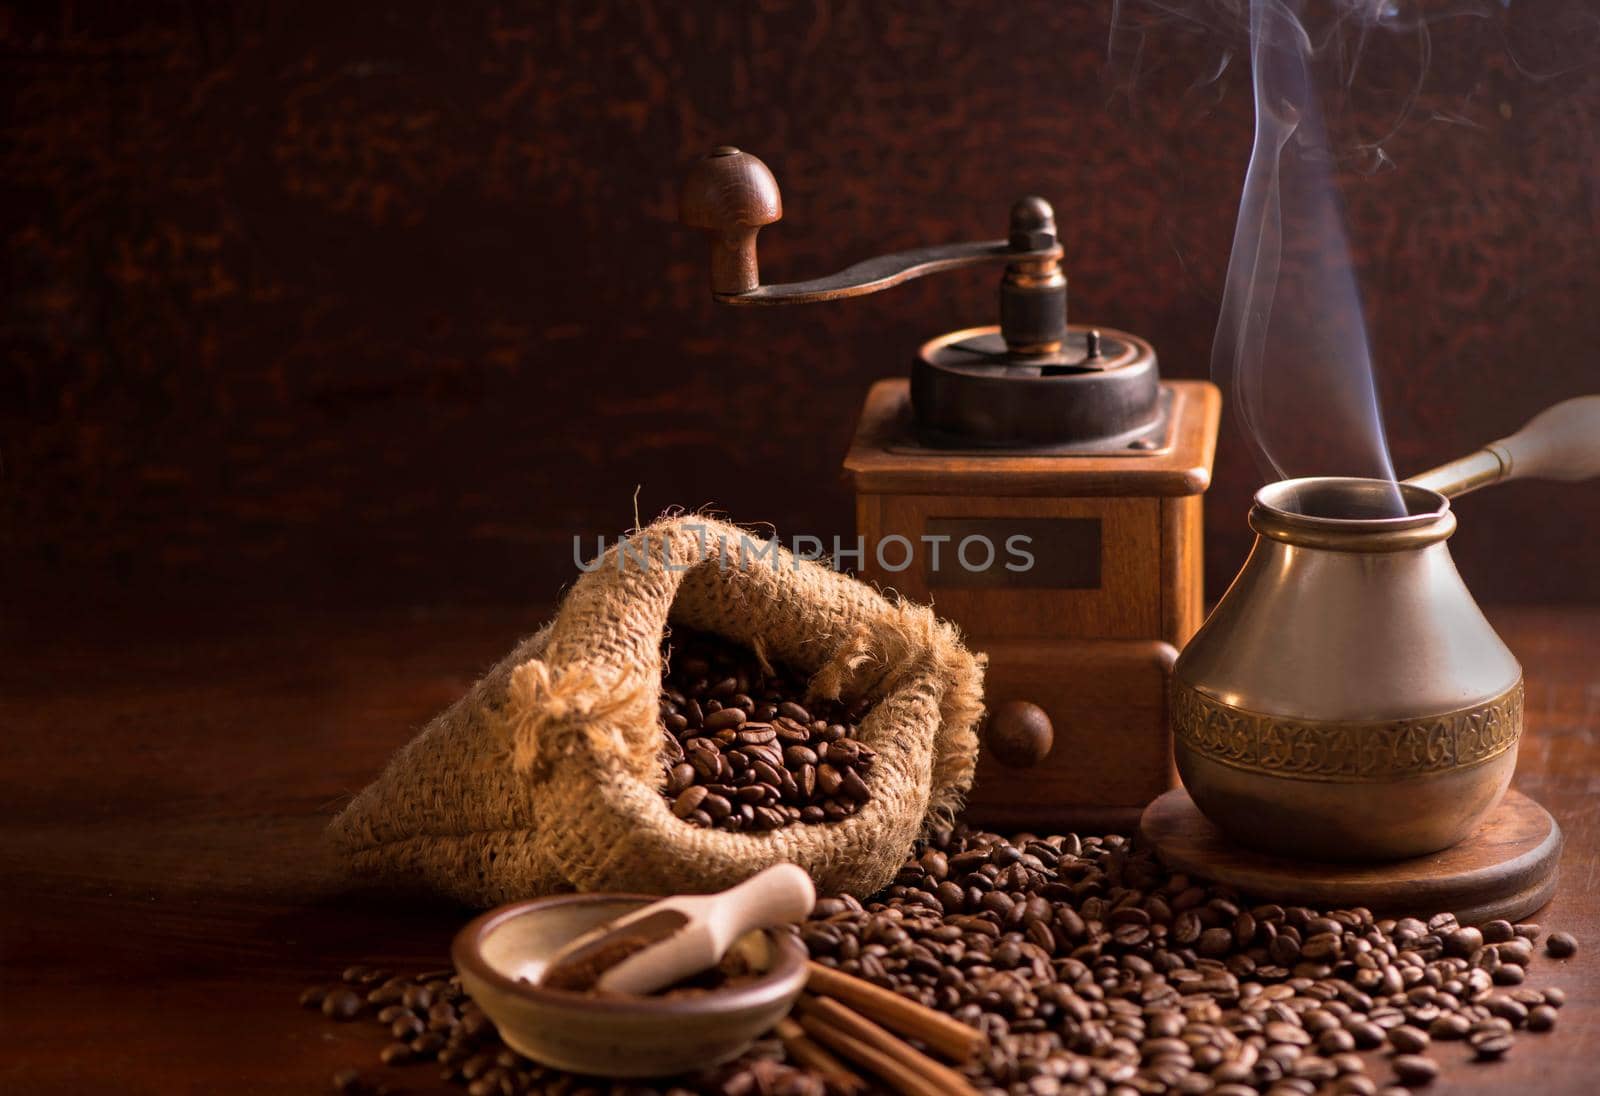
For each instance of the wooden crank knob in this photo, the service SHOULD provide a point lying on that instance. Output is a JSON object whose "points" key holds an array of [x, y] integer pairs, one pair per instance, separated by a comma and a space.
{"points": [[731, 194], [1019, 734]]}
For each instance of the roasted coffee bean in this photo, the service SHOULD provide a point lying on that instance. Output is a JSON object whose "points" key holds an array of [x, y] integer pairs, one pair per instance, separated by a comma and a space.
{"points": [[1414, 1069], [312, 997], [1490, 1044], [1282, 1032], [342, 1003], [1513, 1012], [852, 785], [796, 756], [1188, 927], [707, 765], [386, 994], [1497, 932], [790, 710], [679, 777], [1366, 1034], [1131, 935], [1463, 942], [1516, 951], [1408, 1040], [428, 1044], [1561, 945], [723, 719], [350, 1082], [1541, 1018], [1336, 1041], [741, 753], [689, 802]]}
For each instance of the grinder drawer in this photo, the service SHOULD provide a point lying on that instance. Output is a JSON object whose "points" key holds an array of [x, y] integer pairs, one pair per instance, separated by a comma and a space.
{"points": [[1107, 748]]}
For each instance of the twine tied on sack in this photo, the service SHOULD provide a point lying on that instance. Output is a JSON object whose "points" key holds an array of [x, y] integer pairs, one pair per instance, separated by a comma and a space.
{"points": [[551, 714]]}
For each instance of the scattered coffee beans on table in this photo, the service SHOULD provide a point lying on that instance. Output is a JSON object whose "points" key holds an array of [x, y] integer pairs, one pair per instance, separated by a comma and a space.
{"points": [[1095, 972], [430, 1020], [744, 751]]}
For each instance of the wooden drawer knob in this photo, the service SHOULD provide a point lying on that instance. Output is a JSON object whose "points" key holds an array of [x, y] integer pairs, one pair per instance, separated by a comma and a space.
{"points": [[1019, 734]]}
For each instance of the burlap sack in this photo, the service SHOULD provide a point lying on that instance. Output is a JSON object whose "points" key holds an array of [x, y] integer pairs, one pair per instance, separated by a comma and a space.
{"points": [[545, 777]]}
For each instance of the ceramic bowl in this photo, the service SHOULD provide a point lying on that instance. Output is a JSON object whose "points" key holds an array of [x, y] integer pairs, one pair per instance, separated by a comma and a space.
{"points": [[501, 956]]}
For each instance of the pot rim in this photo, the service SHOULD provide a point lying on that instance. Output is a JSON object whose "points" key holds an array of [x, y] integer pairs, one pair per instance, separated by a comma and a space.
{"points": [[1310, 512]]}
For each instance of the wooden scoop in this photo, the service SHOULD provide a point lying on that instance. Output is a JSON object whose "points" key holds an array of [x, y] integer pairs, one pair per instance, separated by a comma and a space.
{"points": [[676, 937]]}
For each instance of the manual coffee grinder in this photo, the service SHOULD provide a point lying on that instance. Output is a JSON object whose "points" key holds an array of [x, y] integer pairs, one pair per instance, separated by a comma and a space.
{"points": [[1043, 487]]}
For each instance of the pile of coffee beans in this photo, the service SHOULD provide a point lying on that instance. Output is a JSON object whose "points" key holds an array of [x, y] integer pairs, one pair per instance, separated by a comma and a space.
{"points": [[430, 1021], [1094, 971], [745, 751]]}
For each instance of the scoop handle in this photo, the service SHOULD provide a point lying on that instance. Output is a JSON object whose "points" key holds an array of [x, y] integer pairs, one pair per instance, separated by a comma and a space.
{"points": [[780, 895], [1559, 443]]}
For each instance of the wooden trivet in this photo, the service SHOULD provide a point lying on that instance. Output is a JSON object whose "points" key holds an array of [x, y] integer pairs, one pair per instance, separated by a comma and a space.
{"points": [[1505, 868]]}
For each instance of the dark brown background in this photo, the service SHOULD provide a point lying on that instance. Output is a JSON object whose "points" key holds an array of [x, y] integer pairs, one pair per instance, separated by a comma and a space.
{"points": [[362, 302]]}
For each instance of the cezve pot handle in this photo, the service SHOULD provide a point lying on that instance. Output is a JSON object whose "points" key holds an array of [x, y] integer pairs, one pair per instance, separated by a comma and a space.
{"points": [[1559, 443]]}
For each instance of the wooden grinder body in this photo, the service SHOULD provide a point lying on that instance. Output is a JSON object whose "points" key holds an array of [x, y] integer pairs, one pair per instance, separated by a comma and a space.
{"points": [[1081, 646]]}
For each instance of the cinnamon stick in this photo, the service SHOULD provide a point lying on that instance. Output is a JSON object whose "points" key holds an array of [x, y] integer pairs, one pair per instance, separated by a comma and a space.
{"points": [[905, 1081], [836, 1019], [811, 1054], [951, 1038]]}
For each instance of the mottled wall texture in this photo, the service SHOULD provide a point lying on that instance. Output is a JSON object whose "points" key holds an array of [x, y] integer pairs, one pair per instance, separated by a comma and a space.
{"points": [[374, 301]]}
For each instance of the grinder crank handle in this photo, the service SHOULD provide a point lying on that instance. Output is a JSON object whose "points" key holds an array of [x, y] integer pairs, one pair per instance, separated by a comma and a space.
{"points": [[1559, 443], [731, 194]]}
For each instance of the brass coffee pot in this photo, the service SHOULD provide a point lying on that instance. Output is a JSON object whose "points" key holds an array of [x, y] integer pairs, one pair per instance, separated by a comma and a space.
{"points": [[1346, 699]]}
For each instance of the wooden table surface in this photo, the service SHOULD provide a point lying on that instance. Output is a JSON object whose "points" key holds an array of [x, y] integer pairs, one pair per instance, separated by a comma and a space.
{"points": [[167, 896]]}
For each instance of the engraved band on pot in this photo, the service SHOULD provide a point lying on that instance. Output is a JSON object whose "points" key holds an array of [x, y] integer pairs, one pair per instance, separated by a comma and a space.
{"points": [[1353, 751]]}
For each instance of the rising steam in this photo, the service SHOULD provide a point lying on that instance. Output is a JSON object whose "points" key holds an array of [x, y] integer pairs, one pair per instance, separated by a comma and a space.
{"points": [[1291, 350], [1291, 347]]}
